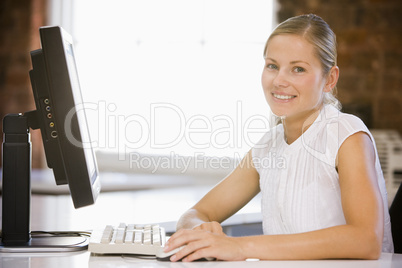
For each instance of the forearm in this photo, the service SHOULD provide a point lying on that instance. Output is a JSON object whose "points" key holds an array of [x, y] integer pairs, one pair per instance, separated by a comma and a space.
{"points": [[343, 241]]}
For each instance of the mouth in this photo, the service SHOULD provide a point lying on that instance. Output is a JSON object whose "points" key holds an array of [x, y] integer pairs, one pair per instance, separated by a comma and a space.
{"points": [[283, 97]]}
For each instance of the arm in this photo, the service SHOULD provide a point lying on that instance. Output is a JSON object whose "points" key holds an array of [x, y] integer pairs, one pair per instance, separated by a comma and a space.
{"points": [[361, 236], [224, 199]]}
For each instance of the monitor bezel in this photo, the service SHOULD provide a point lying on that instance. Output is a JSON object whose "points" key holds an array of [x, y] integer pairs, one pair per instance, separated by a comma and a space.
{"points": [[52, 86]]}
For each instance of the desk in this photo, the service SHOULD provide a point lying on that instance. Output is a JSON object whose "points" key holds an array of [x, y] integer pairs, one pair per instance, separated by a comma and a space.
{"points": [[57, 213], [84, 259]]}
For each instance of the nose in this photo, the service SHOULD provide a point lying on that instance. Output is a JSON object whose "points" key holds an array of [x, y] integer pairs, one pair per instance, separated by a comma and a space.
{"points": [[281, 79]]}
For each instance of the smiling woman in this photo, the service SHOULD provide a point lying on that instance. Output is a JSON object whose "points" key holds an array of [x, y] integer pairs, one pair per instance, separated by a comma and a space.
{"points": [[327, 199]]}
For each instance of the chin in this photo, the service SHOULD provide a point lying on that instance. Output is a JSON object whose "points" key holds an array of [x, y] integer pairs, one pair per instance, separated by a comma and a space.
{"points": [[279, 113]]}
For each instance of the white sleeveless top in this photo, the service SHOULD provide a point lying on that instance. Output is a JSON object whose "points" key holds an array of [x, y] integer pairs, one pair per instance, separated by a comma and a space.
{"points": [[299, 183]]}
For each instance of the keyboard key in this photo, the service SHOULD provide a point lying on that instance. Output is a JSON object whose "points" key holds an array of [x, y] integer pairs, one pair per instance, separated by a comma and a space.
{"points": [[107, 234], [147, 235], [138, 237], [156, 236], [129, 238], [120, 233]]}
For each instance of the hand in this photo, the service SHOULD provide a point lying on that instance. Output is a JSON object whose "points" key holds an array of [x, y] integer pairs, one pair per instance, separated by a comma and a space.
{"points": [[204, 244], [213, 227]]}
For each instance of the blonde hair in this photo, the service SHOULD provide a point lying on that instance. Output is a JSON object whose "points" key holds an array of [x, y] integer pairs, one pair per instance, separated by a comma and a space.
{"points": [[317, 32]]}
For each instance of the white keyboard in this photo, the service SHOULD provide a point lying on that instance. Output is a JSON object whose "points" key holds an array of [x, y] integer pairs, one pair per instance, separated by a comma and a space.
{"points": [[128, 239]]}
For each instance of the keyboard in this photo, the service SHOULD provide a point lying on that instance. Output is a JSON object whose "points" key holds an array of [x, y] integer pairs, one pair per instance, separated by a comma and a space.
{"points": [[128, 239]]}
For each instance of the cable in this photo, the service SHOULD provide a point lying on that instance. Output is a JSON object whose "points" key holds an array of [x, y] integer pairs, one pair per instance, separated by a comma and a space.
{"points": [[60, 233], [57, 233]]}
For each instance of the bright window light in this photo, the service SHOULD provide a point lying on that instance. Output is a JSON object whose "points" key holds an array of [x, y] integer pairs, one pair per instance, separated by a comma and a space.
{"points": [[176, 77]]}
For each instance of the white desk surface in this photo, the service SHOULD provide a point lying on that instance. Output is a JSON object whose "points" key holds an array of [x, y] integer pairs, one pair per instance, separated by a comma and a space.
{"points": [[56, 212], [85, 259]]}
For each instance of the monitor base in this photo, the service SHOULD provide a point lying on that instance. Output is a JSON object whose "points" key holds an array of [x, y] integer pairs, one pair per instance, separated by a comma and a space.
{"points": [[48, 244]]}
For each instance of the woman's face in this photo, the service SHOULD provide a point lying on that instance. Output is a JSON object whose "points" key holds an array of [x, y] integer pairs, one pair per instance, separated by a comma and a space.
{"points": [[292, 79]]}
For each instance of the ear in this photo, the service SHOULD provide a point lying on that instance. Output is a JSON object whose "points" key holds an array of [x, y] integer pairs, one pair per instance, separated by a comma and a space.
{"points": [[332, 79]]}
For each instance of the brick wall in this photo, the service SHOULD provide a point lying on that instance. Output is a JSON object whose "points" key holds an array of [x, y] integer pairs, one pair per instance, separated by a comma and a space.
{"points": [[369, 35], [19, 24]]}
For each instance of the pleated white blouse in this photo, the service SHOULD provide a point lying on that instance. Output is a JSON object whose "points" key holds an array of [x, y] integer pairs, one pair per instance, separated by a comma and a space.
{"points": [[299, 183]]}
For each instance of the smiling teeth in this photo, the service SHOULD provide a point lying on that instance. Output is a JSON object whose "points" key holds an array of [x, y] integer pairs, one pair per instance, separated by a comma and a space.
{"points": [[283, 97]]}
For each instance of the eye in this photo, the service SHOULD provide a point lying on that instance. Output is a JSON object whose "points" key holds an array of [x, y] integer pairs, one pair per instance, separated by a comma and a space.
{"points": [[299, 69], [272, 66]]}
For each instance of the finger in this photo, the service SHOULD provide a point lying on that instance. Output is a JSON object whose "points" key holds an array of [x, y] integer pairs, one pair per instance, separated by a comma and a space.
{"points": [[181, 238], [191, 250], [174, 241], [199, 254]]}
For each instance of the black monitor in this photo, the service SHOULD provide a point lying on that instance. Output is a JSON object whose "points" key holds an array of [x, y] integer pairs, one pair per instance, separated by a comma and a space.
{"points": [[60, 115]]}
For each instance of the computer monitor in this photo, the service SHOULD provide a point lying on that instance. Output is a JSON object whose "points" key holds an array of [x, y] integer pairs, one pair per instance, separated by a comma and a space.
{"points": [[60, 115]]}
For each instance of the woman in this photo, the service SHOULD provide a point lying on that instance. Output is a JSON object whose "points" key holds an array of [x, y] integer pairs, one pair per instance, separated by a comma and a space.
{"points": [[328, 200]]}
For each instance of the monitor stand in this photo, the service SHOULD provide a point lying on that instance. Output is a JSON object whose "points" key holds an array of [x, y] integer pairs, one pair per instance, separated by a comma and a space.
{"points": [[16, 194]]}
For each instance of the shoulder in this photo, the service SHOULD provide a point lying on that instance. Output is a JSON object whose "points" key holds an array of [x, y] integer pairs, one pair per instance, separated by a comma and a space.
{"points": [[330, 114], [330, 130], [347, 133], [341, 125]]}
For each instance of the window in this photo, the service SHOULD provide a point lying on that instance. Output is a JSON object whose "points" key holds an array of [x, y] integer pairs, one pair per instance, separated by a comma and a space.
{"points": [[175, 77]]}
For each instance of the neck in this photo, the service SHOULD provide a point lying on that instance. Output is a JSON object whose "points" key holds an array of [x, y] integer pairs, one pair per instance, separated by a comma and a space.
{"points": [[295, 126]]}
